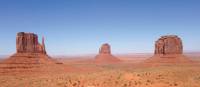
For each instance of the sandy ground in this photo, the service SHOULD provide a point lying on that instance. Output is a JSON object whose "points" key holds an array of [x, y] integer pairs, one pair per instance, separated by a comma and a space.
{"points": [[82, 72]]}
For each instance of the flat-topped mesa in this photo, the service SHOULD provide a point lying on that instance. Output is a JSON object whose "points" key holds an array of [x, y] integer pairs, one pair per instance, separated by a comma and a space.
{"points": [[105, 55], [28, 43], [168, 45]]}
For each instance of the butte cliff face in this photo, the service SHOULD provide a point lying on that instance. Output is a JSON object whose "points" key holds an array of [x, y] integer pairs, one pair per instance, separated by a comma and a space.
{"points": [[105, 49], [167, 45], [168, 49], [28, 43], [105, 55]]}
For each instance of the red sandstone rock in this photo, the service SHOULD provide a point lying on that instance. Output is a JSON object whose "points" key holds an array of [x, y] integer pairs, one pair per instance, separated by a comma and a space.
{"points": [[30, 55], [105, 49], [29, 51], [168, 49], [105, 55], [170, 44], [28, 43]]}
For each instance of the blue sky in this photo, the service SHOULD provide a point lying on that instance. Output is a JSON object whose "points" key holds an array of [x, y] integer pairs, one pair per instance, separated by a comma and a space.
{"points": [[76, 27]]}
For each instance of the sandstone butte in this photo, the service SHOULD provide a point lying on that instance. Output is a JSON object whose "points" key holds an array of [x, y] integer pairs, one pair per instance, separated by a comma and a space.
{"points": [[168, 49], [29, 50], [105, 55]]}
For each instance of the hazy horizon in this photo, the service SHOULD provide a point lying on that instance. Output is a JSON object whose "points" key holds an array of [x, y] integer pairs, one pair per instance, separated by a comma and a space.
{"points": [[77, 27]]}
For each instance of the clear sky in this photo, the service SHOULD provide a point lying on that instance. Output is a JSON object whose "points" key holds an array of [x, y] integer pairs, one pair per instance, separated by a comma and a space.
{"points": [[74, 27]]}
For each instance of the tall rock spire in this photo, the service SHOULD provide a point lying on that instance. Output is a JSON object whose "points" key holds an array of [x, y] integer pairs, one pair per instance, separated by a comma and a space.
{"points": [[43, 45]]}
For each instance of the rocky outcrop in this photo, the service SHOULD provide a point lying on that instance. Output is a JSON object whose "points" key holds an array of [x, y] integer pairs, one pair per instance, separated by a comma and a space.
{"points": [[30, 55], [29, 50], [105, 55], [28, 43], [168, 49], [105, 49], [170, 44]]}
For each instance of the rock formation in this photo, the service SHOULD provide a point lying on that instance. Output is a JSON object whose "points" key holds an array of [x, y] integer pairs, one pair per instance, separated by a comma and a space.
{"points": [[170, 44], [105, 55], [29, 50], [105, 49], [28, 43], [168, 49]]}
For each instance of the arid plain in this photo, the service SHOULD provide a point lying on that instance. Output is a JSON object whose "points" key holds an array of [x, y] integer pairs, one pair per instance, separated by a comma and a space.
{"points": [[83, 72]]}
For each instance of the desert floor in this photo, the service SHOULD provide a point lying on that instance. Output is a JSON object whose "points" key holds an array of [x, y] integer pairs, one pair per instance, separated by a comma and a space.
{"points": [[82, 72]]}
